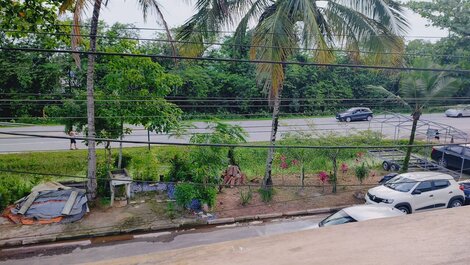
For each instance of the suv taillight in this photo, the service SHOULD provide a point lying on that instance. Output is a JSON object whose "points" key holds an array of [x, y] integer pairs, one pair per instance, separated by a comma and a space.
{"points": [[461, 187]]}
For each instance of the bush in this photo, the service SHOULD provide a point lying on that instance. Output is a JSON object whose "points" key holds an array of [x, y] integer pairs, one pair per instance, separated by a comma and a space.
{"points": [[246, 197], [126, 161], [266, 194], [208, 195], [180, 169], [361, 172], [185, 193]]}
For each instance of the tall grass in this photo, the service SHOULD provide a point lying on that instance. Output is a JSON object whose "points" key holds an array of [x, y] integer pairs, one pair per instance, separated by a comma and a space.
{"points": [[149, 165]]}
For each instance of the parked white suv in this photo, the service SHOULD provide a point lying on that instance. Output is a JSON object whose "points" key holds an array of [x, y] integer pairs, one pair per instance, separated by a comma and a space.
{"points": [[418, 191]]}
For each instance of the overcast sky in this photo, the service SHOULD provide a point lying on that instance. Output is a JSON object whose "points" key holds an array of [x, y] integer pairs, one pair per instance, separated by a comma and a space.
{"points": [[177, 12]]}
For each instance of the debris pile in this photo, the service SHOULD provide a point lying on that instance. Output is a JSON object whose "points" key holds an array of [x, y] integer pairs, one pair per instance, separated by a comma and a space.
{"points": [[47, 203], [233, 176]]}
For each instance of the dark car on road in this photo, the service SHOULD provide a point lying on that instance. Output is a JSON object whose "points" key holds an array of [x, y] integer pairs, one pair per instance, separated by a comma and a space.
{"points": [[355, 114], [452, 156]]}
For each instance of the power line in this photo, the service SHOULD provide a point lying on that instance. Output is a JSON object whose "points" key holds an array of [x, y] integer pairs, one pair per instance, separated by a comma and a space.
{"points": [[234, 100], [25, 49], [237, 45], [228, 145]]}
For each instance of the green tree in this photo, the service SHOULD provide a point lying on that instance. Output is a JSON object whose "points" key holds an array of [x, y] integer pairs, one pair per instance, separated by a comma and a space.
{"points": [[78, 7], [374, 25], [450, 14], [416, 90]]}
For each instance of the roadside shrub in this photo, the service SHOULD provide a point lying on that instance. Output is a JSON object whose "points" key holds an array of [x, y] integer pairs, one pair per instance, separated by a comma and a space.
{"points": [[266, 194], [246, 197], [180, 169], [170, 210], [208, 195], [361, 172], [126, 161], [185, 193]]}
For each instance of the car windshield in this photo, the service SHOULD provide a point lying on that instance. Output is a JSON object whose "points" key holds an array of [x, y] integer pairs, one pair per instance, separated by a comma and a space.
{"points": [[351, 110], [338, 218], [400, 183]]}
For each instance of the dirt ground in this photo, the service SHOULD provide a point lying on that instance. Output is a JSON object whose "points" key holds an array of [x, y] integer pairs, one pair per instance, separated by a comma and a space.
{"points": [[288, 198]]}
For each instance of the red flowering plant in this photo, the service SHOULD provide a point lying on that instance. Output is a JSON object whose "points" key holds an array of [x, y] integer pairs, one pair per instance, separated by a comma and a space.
{"points": [[323, 177], [344, 168]]}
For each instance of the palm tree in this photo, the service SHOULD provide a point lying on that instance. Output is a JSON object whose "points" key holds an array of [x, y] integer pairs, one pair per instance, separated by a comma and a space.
{"points": [[416, 90], [375, 26], [78, 7]]}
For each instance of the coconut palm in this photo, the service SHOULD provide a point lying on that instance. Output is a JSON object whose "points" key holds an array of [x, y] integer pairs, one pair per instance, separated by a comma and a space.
{"points": [[371, 25], [416, 90], [78, 7]]}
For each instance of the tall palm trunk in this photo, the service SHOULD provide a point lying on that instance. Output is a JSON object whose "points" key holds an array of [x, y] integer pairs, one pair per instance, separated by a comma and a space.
{"points": [[416, 116], [267, 180], [92, 183]]}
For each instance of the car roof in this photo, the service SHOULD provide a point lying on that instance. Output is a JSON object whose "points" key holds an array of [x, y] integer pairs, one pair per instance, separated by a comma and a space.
{"points": [[367, 212], [356, 108], [426, 175]]}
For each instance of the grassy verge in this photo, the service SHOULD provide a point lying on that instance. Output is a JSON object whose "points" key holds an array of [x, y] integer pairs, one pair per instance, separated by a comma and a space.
{"points": [[149, 165]]}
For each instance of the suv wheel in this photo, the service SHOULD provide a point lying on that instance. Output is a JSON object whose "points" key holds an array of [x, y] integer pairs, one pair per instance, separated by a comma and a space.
{"points": [[455, 203], [442, 162], [369, 118], [348, 119], [459, 116], [404, 209]]}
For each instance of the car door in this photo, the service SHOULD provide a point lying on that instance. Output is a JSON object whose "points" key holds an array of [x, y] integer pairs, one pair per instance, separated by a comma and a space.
{"points": [[442, 193], [453, 156], [360, 114], [423, 196], [466, 112], [466, 157]]}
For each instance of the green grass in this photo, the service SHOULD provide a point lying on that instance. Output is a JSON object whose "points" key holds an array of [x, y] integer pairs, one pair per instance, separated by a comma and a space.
{"points": [[145, 165]]}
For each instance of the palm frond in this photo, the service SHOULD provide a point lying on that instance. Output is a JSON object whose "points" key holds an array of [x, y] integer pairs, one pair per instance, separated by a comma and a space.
{"points": [[388, 96], [273, 40]]}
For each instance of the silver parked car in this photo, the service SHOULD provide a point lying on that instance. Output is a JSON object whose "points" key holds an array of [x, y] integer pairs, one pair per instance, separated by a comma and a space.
{"points": [[360, 213], [458, 112]]}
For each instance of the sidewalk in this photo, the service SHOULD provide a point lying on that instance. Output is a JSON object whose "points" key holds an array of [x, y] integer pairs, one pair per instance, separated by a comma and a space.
{"points": [[435, 237], [137, 217]]}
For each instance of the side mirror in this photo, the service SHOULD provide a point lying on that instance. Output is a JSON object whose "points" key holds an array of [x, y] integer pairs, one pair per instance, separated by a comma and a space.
{"points": [[416, 192]]}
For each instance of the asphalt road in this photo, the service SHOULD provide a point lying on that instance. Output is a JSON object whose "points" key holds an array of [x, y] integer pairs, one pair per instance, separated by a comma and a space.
{"points": [[258, 130], [106, 248]]}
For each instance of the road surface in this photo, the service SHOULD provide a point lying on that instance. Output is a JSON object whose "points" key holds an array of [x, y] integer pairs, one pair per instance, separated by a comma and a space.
{"points": [[96, 250], [258, 130]]}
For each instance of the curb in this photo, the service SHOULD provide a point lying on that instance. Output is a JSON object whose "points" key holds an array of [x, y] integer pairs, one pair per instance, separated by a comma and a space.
{"points": [[184, 223]]}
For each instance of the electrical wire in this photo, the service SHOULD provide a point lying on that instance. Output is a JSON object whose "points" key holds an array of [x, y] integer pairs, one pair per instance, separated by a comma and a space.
{"points": [[329, 147], [27, 49], [237, 45]]}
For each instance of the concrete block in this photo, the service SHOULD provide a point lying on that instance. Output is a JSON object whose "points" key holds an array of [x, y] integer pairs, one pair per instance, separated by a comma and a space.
{"points": [[269, 215], [319, 211], [245, 218], [38, 239], [295, 213], [169, 226], [221, 221]]}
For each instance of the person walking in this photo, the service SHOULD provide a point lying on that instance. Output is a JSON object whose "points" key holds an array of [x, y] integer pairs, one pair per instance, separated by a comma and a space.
{"points": [[73, 142]]}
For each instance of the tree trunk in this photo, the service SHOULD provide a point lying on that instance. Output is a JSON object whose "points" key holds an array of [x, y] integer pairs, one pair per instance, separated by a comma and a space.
{"points": [[416, 116], [120, 146], [267, 180], [92, 183]]}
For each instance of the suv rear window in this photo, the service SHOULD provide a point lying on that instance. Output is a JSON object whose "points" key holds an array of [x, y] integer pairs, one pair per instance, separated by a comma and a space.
{"points": [[441, 184]]}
